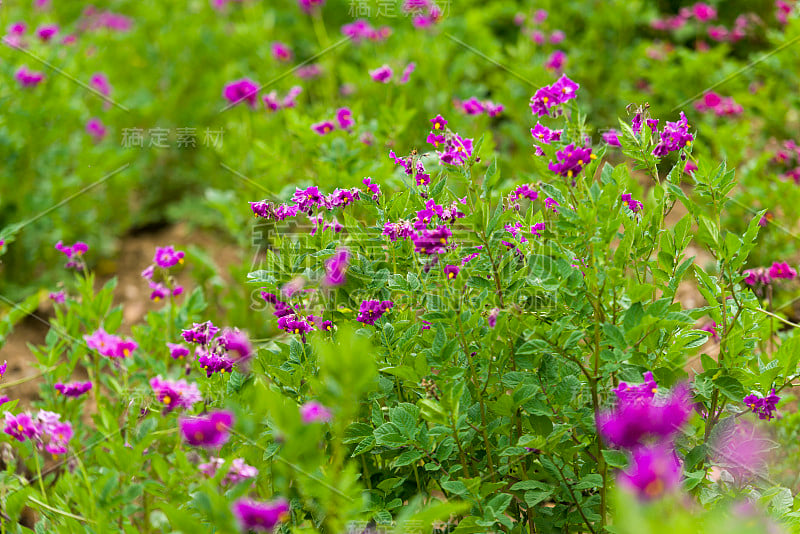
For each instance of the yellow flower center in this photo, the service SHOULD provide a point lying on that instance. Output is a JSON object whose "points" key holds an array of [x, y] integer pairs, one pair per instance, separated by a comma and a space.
{"points": [[451, 275], [19, 427], [569, 174], [180, 261], [156, 299], [437, 126], [592, 156], [167, 399], [198, 435], [443, 240], [580, 162], [654, 488], [545, 99], [126, 352]]}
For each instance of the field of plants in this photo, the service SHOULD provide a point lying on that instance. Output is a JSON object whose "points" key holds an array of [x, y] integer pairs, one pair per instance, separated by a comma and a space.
{"points": [[400, 266]]}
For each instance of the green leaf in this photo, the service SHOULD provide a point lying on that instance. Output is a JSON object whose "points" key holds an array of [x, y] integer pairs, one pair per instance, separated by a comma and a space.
{"points": [[616, 458]]}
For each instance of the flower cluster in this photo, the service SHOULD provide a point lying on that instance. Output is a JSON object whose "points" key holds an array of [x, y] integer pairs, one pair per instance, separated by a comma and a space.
{"points": [[274, 103], [109, 345], [164, 259], [384, 73], [456, 150], [761, 276], [74, 254], [361, 30], [238, 471], [413, 167], [175, 394], [571, 160], [46, 430], [549, 96], [289, 318], [281, 52], [73, 389], [646, 424], [720, 106], [344, 119], [473, 106], [675, 136], [214, 352], [763, 406], [314, 412], [543, 134], [555, 61], [789, 159], [634, 205], [336, 268], [372, 310]]}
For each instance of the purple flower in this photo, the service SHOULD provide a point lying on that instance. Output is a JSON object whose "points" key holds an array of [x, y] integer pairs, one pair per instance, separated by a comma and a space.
{"points": [[641, 416], [492, 317], [96, 129], [260, 516], [431, 241], [20, 426], [674, 136], [763, 406], [281, 51], [175, 394], [557, 37], [58, 297], [536, 228], [654, 471], [438, 123], [551, 204], [451, 271], [549, 96], [177, 352], [314, 412], [611, 138], [711, 328], [571, 160], [757, 277], [323, 128], [782, 270], [241, 90], [200, 333], [472, 106], [309, 5], [73, 389], [213, 362], [308, 72], [704, 12], [372, 310], [634, 205], [99, 83], [336, 268], [3, 368], [233, 340], [47, 32], [109, 345], [73, 253], [238, 471], [345, 118], [167, 257], [382, 74], [407, 72], [556, 61], [209, 431], [742, 450], [375, 189]]}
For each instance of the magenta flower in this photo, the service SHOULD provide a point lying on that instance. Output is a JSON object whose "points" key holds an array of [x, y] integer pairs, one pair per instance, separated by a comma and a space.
{"points": [[47, 32], [704, 12], [654, 471], [611, 138], [237, 472], [763, 406], [536, 228], [345, 118], [241, 90], [28, 78], [571, 160], [200, 333], [96, 129], [432, 241], [742, 450], [109, 345], [640, 416], [58, 297], [634, 205], [323, 128], [175, 394], [336, 268], [260, 516], [3, 368], [757, 277], [234, 340], [310, 5], [711, 328], [375, 189], [314, 412], [281, 52], [550, 96], [361, 30], [213, 362], [20, 426], [73, 389], [307, 72], [177, 352], [372, 310], [99, 83], [382, 74], [556, 61], [167, 257], [492, 317], [782, 270], [557, 37], [451, 271], [209, 431], [17, 28], [407, 72]]}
